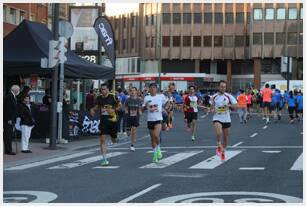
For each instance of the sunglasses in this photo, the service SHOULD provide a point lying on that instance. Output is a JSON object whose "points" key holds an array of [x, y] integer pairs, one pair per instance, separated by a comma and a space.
{"points": [[152, 106]]}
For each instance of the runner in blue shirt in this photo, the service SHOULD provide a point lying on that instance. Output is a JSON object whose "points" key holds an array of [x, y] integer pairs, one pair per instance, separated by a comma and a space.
{"points": [[277, 104], [291, 102], [299, 100]]}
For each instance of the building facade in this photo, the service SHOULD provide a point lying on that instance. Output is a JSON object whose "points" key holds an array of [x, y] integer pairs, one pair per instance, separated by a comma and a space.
{"points": [[241, 43]]}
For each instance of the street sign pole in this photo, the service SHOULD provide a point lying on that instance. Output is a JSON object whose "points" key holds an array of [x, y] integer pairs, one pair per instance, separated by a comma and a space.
{"points": [[288, 69]]}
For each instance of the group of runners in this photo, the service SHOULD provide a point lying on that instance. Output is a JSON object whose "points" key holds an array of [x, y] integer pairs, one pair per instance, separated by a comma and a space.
{"points": [[160, 107]]}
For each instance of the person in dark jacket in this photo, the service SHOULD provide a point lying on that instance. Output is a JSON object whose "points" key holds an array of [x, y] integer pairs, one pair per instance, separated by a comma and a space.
{"points": [[27, 122], [9, 117]]}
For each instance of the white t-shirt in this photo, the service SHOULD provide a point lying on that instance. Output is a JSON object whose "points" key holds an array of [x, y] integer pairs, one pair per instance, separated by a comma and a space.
{"points": [[221, 103], [154, 105]]}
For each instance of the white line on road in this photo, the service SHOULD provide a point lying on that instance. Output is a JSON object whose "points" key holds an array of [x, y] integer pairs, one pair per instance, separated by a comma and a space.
{"points": [[251, 168], [265, 127], [150, 151], [192, 175], [215, 161], [140, 193], [239, 143], [172, 159], [298, 164], [44, 162], [85, 161], [272, 151], [106, 167], [253, 135]]}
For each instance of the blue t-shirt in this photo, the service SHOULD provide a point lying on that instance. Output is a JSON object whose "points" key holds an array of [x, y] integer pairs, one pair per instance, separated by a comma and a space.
{"points": [[299, 99], [178, 99], [291, 101]]}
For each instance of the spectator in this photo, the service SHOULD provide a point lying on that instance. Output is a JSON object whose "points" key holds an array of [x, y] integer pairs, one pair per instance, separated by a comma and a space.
{"points": [[47, 98], [121, 113], [90, 98]]}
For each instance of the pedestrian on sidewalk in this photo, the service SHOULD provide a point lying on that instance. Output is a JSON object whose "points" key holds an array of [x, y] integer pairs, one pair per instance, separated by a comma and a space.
{"points": [[27, 122], [242, 106]]}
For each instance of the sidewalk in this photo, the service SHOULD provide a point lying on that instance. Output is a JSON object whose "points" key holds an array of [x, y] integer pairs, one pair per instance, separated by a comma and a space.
{"points": [[40, 151]]}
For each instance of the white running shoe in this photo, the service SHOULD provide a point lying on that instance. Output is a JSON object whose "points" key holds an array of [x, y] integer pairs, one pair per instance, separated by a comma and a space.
{"points": [[132, 148]]}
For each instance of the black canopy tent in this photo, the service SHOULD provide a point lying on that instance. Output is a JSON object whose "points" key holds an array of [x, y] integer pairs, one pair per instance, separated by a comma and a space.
{"points": [[29, 42]]}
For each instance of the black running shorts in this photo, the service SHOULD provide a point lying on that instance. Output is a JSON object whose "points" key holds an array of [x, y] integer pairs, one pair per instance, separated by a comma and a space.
{"points": [[108, 128], [191, 116], [224, 124], [132, 121], [151, 124]]}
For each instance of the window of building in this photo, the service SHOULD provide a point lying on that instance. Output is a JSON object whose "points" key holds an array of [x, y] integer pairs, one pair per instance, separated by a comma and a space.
{"points": [[187, 41], [153, 19], [32, 17], [269, 38], [292, 13], [153, 42], [257, 38], [22, 16], [116, 45], [124, 22], [228, 41], [280, 38], [13, 16], [116, 23], [148, 42], [124, 44], [196, 41], [248, 17], [301, 38], [176, 18], [197, 18], [166, 18], [132, 43], [207, 41], [239, 41], [247, 41], [280, 13], [218, 41], [301, 13], [218, 18], [257, 14], [207, 18], [176, 41], [239, 18], [292, 38], [166, 41], [229, 18], [147, 20], [176, 6], [133, 21], [269, 14], [186, 18], [4, 13]]}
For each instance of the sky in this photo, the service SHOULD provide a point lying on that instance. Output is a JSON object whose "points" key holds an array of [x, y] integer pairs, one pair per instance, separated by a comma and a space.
{"points": [[120, 8]]}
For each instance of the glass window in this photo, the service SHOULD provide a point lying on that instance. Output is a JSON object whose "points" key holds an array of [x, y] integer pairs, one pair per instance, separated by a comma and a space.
{"points": [[292, 38], [176, 18], [301, 13], [176, 6], [196, 41], [248, 17], [257, 39], [22, 16], [280, 38], [153, 42], [292, 13], [166, 18], [228, 41], [280, 13], [148, 41], [166, 41], [218, 41], [132, 43], [239, 18], [229, 18], [197, 18], [247, 41], [124, 22], [269, 38], [13, 16], [269, 14], [257, 14], [124, 44], [116, 23], [239, 41], [153, 19], [4, 13], [186, 40], [176, 41], [207, 41], [219, 18], [187, 18], [207, 18], [147, 20], [301, 38]]}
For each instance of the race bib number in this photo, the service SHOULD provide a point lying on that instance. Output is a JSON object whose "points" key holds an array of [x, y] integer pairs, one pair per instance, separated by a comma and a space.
{"points": [[194, 105], [221, 110]]}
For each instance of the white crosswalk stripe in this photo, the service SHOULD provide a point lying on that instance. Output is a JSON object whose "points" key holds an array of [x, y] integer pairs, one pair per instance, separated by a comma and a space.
{"points": [[85, 161], [298, 164], [215, 161], [172, 159]]}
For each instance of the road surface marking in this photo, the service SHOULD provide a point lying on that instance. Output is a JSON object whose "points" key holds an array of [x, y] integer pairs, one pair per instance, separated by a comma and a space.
{"points": [[214, 147], [273, 151], [215, 161], [298, 164], [139, 193], [239, 143], [150, 151], [251, 168], [39, 196], [265, 127], [44, 162], [172, 159], [106, 167], [192, 175], [253, 135], [85, 161]]}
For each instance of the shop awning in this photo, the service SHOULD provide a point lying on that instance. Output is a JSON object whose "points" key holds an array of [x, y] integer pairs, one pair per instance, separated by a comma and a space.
{"points": [[24, 47]]}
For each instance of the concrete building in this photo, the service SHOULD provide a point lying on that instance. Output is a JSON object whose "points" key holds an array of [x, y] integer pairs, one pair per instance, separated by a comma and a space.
{"points": [[241, 43]]}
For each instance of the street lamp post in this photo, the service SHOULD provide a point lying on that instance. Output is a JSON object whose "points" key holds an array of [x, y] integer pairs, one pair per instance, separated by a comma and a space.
{"points": [[159, 43]]}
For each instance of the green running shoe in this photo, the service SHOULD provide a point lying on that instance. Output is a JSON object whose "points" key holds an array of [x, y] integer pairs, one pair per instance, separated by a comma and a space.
{"points": [[155, 157], [159, 154], [105, 163], [192, 137]]}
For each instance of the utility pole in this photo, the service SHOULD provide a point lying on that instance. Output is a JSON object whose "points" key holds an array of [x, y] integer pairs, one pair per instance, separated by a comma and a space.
{"points": [[288, 70], [159, 45]]}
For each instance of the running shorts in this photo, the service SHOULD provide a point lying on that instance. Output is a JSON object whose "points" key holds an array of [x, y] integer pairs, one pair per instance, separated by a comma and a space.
{"points": [[224, 124], [151, 124], [191, 116], [108, 128], [267, 104], [132, 121]]}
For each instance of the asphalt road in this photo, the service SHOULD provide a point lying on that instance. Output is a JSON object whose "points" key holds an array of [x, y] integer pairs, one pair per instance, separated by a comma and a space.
{"points": [[264, 164]]}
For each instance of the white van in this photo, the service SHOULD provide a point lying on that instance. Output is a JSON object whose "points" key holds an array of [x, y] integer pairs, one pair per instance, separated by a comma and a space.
{"points": [[282, 85]]}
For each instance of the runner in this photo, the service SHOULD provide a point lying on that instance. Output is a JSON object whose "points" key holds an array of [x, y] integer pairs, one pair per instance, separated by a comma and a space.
{"points": [[107, 104], [191, 104], [277, 105], [185, 111], [291, 103], [154, 103], [242, 107], [267, 99], [133, 112], [169, 107], [222, 103], [299, 99], [249, 103]]}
